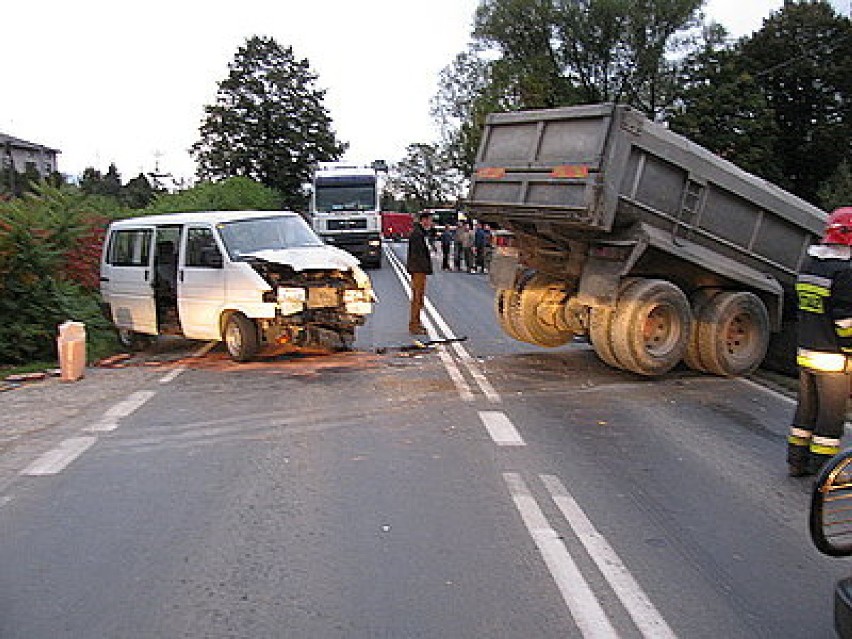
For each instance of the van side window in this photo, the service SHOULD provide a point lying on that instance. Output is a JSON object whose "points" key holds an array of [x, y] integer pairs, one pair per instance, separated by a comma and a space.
{"points": [[201, 249], [130, 247]]}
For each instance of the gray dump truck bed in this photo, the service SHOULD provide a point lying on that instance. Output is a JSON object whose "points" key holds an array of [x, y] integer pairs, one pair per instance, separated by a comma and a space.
{"points": [[614, 213], [595, 170]]}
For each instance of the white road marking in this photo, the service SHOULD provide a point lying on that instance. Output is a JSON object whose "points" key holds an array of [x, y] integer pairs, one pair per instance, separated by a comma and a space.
{"points": [[487, 389], [581, 601], [449, 364], [172, 374], [54, 461], [768, 390], [646, 617], [501, 429], [110, 419], [469, 363], [201, 352]]}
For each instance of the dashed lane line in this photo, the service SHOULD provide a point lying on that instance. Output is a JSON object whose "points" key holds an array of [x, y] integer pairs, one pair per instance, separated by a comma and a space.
{"points": [[501, 429], [54, 461], [111, 417]]}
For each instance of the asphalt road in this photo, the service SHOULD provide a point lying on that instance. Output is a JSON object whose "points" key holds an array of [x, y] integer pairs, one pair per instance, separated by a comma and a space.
{"points": [[485, 489]]}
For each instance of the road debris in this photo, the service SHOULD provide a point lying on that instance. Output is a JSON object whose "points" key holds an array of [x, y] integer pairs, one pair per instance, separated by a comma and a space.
{"points": [[419, 345]]}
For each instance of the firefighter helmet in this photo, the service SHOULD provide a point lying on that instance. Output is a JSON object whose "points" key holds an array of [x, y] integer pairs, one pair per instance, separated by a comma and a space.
{"points": [[838, 229]]}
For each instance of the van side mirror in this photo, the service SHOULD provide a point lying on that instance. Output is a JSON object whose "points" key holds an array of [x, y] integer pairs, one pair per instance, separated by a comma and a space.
{"points": [[831, 507]]}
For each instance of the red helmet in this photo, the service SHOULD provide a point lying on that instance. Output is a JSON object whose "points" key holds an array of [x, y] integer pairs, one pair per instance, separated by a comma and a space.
{"points": [[838, 229]]}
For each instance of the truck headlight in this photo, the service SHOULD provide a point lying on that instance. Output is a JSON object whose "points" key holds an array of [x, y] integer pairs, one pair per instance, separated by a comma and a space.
{"points": [[375, 242]]}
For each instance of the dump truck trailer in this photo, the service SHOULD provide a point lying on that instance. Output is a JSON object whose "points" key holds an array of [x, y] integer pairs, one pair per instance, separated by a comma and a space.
{"points": [[653, 247]]}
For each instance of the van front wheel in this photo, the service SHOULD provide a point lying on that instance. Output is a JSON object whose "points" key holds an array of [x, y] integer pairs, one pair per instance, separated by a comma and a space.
{"points": [[241, 338]]}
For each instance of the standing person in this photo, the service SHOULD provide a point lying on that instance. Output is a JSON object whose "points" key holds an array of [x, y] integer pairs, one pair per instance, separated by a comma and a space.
{"points": [[446, 246], [824, 290], [419, 265], [467, 246], [479, 247], [458, 245]]}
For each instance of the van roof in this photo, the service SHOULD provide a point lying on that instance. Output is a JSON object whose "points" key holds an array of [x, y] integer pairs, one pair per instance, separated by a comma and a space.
{"points": [[214, 217]]}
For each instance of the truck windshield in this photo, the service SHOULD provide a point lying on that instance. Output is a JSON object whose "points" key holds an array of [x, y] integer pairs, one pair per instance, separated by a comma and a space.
{"points": [[342, 195], [245, 237]]}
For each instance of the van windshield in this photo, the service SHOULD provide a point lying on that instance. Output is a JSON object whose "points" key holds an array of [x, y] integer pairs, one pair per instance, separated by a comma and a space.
{"points": [[246, 237]]}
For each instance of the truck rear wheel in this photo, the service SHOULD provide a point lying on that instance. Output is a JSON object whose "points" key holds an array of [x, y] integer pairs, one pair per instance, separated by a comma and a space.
{"points": [[503, 300], [600, 327], [538, 311], [698, 301], [241, 338], [651, 327], [733, 334]]}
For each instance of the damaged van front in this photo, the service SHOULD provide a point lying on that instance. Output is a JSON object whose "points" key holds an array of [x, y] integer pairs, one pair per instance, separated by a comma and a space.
{"points": [[262, 281]]}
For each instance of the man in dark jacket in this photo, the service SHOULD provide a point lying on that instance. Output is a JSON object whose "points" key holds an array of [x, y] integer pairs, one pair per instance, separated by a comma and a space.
{"points": [[824, 290], [419, 265]]}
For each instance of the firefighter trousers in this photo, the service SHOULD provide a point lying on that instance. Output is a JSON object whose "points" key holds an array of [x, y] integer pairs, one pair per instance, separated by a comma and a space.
{"points": [[820, 413]]}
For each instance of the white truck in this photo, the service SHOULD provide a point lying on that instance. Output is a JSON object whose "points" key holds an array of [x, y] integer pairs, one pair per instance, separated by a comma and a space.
{"points": [[346, 209]]}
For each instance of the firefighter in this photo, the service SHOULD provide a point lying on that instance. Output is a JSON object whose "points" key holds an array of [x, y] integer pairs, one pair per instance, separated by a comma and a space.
{"points": [[824, 291]]}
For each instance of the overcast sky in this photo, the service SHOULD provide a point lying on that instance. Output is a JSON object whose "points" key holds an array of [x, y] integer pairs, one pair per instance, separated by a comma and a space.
{"points": [[104, 82]]}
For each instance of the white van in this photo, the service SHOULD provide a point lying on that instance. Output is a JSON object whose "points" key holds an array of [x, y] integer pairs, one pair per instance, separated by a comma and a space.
{"points": [[262, 281]]}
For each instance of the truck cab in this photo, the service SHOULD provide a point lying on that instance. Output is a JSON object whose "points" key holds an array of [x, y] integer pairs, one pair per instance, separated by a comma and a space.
{"points": [[345, 209]]}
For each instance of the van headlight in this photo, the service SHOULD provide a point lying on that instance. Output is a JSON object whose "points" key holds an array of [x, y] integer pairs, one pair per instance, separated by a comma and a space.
{"points": [[291, 300], [358, 301]]}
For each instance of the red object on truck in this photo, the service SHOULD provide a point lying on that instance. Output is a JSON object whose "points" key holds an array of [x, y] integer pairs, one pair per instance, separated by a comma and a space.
{"points": [[396, 226]]}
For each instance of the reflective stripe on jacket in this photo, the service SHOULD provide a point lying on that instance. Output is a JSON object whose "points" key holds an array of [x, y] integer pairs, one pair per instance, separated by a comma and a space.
{"points": [[824, 292]]}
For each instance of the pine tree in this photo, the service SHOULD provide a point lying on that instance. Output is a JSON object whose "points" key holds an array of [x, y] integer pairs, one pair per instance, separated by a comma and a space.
{"points": [[268, 123]]}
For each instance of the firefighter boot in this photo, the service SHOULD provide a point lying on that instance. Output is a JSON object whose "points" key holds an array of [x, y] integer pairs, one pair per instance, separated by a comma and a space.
{"points": [[799, 460], [816, 462]]}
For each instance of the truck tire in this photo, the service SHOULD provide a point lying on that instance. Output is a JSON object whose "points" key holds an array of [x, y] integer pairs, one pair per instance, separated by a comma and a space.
{"points": [[698, 301], [503, 300], [241, 338], [600, 335], [651, 327], [538, 310], [733, 334]]}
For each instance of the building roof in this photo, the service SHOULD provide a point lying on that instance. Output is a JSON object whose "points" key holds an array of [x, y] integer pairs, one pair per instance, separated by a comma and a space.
{"points": [[23, 144]]}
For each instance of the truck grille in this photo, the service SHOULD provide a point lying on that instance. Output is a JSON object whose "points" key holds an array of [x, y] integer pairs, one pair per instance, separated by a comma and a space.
{"points": [[346, 225]]}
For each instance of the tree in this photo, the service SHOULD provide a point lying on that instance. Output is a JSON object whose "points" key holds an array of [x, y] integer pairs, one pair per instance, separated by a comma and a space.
{"points": [[836, 191], [268, 122], [93, 182], [138, 192], [721, 107], [802, 62], [231, 194], [424, 178], [50, 241], [468, 90], [570, 51], [547, 53]]}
